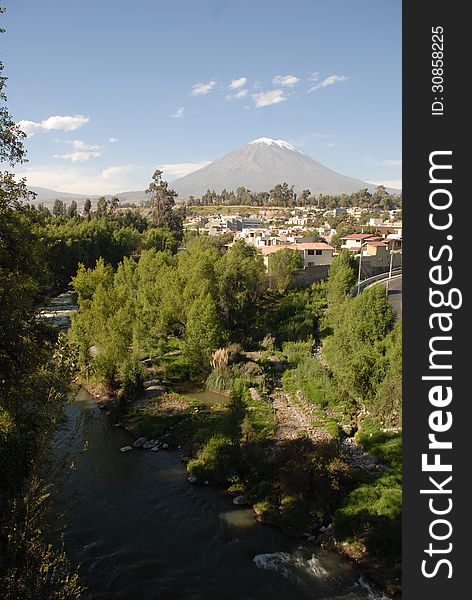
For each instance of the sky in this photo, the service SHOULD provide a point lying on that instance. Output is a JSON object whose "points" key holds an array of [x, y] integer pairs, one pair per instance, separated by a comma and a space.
{"points": [[110, 90]]}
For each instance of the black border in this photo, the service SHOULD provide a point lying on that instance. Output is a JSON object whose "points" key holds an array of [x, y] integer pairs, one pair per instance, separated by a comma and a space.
{"points": [[422, 134]]}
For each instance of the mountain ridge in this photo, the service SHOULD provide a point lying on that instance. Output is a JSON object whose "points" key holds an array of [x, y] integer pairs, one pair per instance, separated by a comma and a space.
{"points": [[261, 164], [258, 166]]}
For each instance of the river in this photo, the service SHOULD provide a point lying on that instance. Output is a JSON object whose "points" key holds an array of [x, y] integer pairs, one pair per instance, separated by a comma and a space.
{"points": [[137, 528]]}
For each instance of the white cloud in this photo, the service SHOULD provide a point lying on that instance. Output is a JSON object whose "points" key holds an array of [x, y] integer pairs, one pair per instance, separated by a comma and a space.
{"points": [[314, 76], [122, 172], [80, 178], [181, 169], [332, 79], [390, 183], [286, 80], [240, 94], [200, 89], [236, 84], [267, 98], [63, 123], [179, 113], [112, 140], [384, 163], [79, 145], [79, 156]]}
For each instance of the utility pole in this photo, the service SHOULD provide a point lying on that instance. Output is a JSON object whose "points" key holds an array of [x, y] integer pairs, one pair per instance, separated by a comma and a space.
{"points": [[359, 273], [391, 265]]}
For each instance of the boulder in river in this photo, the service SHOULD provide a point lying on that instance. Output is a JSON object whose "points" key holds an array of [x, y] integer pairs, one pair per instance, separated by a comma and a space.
{"points": [[155, 449], [149, 444], [192, 479], [140, 442], [150, 382], [153, 390], [239, 500], [126, 448], [165, 446]]}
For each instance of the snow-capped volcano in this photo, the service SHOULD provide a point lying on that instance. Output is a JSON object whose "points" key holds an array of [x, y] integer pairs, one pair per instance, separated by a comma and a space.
{"points": [[262, 164], [270, 142]]}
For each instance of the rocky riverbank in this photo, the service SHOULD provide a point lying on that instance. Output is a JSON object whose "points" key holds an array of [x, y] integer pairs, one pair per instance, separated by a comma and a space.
{"points": [[163, 421]]}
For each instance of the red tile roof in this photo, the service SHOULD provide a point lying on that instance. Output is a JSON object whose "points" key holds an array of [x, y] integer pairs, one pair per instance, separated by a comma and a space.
{"points": [[360, 236]]}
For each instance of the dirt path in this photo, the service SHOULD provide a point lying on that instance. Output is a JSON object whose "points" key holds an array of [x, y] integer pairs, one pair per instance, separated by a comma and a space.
{"points": [[292, 419]]}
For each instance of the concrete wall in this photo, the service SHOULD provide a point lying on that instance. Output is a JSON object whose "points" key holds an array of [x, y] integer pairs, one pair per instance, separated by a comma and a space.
{"points": [[310, 275]]}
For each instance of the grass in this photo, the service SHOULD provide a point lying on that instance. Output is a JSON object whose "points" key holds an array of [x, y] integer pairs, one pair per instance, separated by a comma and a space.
{"points": [[371, 514]]}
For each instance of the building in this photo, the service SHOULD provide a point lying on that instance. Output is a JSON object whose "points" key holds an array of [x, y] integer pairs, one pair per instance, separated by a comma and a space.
{"points": [[313, 254], [355, 241]]}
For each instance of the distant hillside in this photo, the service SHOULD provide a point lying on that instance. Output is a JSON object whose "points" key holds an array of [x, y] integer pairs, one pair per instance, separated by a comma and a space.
{"points": [[258, 166], [47, 197]]}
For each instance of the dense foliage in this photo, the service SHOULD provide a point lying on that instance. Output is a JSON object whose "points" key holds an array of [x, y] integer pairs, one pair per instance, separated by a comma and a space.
{"points": [[34, 372], [283, 195], [194, 300]]}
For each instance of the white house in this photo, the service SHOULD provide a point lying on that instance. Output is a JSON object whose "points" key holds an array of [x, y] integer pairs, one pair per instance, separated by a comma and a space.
{"points": [[354, 242], [313, 254]]}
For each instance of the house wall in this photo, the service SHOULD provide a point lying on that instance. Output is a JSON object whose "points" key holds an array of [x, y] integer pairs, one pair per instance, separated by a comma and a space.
{"points": [[351, 244], [325, 258]]}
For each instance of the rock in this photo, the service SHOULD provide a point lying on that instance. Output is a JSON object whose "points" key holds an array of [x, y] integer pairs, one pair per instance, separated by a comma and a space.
{"points": [[311, 538], [140, 442], [192, 479], [254, 394], [165, 446], [118, 425], [149, 444], [155, 449], [239, 500], [150, 382], [153, 390], [206, 482], [126, 448]]}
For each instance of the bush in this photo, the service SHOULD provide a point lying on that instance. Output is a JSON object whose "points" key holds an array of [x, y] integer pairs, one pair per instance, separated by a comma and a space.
{"points": [[216, 461]]}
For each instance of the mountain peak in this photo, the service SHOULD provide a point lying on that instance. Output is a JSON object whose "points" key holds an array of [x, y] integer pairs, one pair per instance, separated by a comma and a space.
{"points": [[270, 142], [260, 165]]}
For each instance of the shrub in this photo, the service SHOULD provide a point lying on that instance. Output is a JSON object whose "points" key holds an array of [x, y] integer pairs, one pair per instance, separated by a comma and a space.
{"points": [[216, 460]]}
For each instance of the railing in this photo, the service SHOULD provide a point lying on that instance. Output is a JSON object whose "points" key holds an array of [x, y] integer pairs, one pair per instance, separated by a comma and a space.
{"points": [[366, 282]]}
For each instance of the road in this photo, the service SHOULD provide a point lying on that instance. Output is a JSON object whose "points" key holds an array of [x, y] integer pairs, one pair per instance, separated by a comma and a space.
{"points": [[395, 290]]}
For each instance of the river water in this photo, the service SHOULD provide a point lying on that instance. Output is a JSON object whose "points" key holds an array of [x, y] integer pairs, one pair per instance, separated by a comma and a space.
{"points": [[138, 529]]}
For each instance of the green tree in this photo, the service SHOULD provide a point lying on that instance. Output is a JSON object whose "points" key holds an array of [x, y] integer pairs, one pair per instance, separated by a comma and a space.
{"points": [[341, 278], [102, 207], [241, 282], [283, 267], [283, 194], [72, 209], [203, 334], [59, 208], [162, 202], [87, 207], [31, 384]]}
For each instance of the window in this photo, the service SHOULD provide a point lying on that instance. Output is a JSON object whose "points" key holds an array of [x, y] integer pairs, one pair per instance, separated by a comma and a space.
{"points": [[319, 252], [311, 264], [311, 252]]}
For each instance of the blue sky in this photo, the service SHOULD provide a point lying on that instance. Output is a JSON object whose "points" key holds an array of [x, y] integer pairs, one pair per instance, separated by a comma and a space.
{"points": [[109, 90]]}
